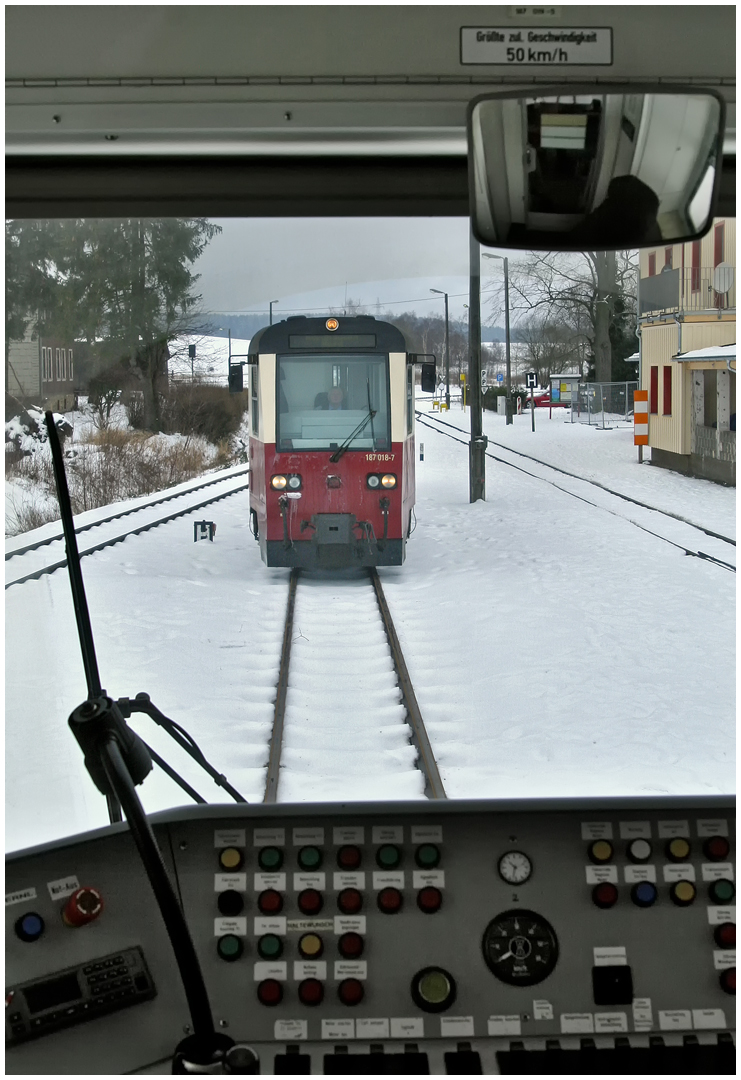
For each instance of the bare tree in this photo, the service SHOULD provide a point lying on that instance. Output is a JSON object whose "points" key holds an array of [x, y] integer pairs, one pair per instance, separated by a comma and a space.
{"points": [[550, 347]]}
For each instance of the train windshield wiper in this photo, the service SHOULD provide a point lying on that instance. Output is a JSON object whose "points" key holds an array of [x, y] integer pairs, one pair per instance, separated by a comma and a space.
{"points": [[353, 435]]}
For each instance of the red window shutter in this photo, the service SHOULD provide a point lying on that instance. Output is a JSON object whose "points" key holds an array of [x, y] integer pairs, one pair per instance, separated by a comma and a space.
{"points": [[652, 264], [718, 237], [654, 394], [667, 390], [695, 265]]}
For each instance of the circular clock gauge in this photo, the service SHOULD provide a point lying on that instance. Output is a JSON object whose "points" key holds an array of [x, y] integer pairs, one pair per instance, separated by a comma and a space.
{"points": [[520, 947], [515, 867]]}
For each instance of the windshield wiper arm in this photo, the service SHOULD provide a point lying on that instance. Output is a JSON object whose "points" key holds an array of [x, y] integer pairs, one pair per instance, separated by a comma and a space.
{"points": [[353, 435]]}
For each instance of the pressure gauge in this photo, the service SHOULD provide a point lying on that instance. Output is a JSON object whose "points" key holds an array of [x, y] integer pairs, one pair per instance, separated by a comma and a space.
{"points": [[515, 867]]}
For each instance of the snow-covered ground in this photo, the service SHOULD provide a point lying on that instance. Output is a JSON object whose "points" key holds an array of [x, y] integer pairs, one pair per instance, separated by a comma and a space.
{"points": [[555, 648]]}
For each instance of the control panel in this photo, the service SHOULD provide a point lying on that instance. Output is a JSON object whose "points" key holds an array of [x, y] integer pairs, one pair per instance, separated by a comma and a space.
{"points": [[458, 937]]}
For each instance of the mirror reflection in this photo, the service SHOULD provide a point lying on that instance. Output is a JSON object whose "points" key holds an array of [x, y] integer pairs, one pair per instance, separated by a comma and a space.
{"points": [[601, 169]]}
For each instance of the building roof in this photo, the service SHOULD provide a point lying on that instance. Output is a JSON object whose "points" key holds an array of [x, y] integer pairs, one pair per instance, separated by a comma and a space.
{"points": [[634, 358], [712, 352]]}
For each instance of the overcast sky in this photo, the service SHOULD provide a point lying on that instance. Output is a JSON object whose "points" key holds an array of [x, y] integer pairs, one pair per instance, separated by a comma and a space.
{"points": [[306, 263]]}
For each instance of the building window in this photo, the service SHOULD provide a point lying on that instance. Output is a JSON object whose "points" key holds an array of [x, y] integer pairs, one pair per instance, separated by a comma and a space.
{"points": [[654, 392], [43, 363], [667, 258], [59, 366], [64, 365], [696, 266], [70, 374], [667, 391], [718, 244], [652, 264]]}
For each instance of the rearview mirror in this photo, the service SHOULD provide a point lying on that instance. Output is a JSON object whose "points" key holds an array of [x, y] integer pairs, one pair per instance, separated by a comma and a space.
{"points": [[236, 379], [428, 379], [594, 168]]}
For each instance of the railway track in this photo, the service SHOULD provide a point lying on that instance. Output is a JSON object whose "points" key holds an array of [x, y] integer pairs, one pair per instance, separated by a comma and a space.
{"points": [[33, 560], [683, 533], [345, 705]]}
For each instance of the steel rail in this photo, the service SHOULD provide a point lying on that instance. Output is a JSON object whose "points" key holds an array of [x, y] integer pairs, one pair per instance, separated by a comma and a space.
{"points": [[276, 739], [122, 536], [586, 480], [122, 513], [434, 785], [681, 547]]}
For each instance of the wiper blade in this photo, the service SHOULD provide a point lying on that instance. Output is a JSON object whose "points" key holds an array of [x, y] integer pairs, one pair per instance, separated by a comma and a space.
{"points": [[353, 435]]}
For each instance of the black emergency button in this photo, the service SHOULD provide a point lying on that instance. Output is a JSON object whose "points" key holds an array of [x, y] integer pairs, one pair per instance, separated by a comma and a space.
{"points": [[612, 985]]}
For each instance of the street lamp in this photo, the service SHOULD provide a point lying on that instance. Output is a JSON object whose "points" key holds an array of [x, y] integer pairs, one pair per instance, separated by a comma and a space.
{"points": [[508, 402], [447, 349], [271, 309]]}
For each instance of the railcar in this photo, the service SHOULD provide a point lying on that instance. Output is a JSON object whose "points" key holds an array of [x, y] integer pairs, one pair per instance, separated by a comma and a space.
{"points": [[331, 449]]}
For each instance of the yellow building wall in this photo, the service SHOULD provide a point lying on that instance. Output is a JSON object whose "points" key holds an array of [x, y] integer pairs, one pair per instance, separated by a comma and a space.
{"points": [[707, 250]]}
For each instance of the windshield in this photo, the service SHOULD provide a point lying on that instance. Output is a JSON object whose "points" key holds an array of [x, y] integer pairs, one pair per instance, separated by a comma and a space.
{"points": [[323, 399], [570, 634]]}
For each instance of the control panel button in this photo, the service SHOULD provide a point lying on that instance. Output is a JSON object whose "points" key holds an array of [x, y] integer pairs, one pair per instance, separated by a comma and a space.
{"points": [[722, 891], [350, 991], [29, 927], [725, 935], [311, 946], [310, 992], [601, 851], [683, 893], [716, 848], [388, 857], [350, 901], [429, 900], [349, 857], [270, 992], [231, 858], [644, 894], [270, 858], [229, 947], [310, 902], [270, 902], [230, 902], [728, 980], [310, 858], [390, 901], [639, 851], [678, 849], [270, 947], [433, 989], [82, 907], [427, 856], [612, 985], [351, 945], [605, 894]]}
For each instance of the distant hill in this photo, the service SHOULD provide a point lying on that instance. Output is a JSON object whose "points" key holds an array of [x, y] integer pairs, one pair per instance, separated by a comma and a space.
{"points": [[246, 326]]}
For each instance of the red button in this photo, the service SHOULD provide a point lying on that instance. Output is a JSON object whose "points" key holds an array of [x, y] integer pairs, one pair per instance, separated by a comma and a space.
{"points": [[270, 992], [429, 900], [389, 901], [83, 906], [605, 894], [310, 902], [270, 902], [716, 848], [350, 992], [310, 992], [349, 857], [350, 946], [350, 901], [725, 935], [728, 980]]}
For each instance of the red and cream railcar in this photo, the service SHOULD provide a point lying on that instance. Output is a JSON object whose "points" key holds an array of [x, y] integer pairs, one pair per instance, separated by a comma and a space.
{"points": [[332, 442]]}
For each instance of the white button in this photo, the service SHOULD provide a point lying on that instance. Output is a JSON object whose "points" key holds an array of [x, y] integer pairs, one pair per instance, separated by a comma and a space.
{"points": [[640, 850]]}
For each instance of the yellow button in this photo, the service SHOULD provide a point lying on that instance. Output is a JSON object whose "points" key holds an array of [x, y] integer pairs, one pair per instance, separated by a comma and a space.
{"points": [[434, 987], [310, 945], [600, 851], [230, 858], [684, 892], [678, 849]]}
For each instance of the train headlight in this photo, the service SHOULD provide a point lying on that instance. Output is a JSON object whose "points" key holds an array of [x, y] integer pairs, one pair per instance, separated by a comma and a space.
{"points": [[278, 482], [373, 481], [294, 482], [388, 480]]}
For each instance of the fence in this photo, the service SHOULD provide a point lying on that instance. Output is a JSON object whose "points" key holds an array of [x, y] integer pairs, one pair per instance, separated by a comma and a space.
{"points": [[598, 402]]}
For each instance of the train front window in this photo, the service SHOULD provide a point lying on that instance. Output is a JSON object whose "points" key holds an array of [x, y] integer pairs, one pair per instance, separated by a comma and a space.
{"points": [[322, 399]]}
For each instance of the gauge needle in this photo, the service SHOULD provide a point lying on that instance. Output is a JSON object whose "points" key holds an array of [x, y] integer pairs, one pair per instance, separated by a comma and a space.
{"points": [[499, 958]]}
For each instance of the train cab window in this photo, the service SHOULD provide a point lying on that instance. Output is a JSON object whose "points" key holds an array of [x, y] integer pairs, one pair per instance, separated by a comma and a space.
{"points": [[410, 399], [254, 400]]}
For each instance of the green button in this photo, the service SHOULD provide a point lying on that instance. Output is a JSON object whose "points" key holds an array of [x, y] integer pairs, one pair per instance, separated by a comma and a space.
{"points": [[310, 858], [270, 947], [722, 891], [229, 947], [388, 857], [270, 858], [434, 987], [428, 855]]}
